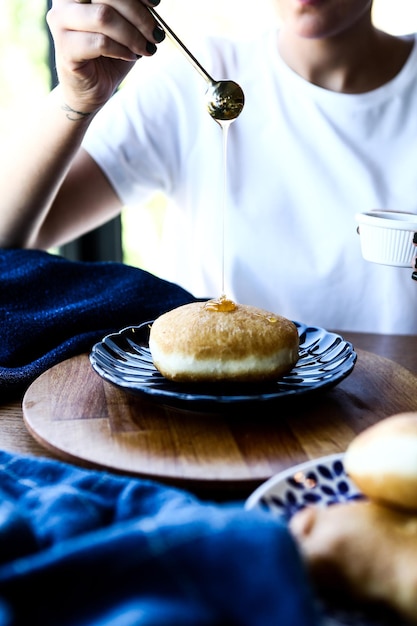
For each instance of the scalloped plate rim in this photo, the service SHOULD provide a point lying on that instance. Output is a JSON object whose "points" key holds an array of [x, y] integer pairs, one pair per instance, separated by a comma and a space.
{"points": [[188, 398]]}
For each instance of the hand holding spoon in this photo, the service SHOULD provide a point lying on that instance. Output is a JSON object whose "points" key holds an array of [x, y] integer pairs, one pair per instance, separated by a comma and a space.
{"points": [[225, 98]]}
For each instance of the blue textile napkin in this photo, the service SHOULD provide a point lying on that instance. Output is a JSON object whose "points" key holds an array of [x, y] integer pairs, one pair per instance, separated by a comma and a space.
{"points": [[52, 309], [86, 548]]}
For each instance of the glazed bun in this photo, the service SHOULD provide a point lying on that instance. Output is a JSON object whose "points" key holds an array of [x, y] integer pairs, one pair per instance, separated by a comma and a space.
{"points": [[219, 340], [382, 461]]}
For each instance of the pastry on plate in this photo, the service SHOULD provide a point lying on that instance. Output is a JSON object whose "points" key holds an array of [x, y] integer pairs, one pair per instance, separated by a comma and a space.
{"points": [[219, 340]]}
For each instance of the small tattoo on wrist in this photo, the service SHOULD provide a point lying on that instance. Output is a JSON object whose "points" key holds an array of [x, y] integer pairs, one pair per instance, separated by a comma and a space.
{"points": [[74, 115]]}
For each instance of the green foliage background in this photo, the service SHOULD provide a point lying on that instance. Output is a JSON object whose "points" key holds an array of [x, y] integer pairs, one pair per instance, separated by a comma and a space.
{"points": [[24, 70]]}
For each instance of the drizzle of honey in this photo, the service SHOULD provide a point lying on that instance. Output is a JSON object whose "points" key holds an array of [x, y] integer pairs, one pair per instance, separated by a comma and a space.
{"points": [[223, 304], [225, 125], [220, 305]]}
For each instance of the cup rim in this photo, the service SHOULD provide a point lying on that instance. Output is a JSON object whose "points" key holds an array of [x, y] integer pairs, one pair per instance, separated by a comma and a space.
{"points": [[400, 220]]}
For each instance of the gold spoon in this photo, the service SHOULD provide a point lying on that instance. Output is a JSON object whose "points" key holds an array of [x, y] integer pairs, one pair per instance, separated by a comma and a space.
{"points": [[225, 98]]}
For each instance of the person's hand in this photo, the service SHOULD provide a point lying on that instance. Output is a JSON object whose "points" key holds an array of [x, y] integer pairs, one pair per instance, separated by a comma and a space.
{"points": [[414, 274], [96, 44]]}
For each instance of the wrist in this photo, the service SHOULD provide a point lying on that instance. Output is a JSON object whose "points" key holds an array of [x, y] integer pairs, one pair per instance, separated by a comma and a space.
{"points": [[73, 115], [73, 112]]}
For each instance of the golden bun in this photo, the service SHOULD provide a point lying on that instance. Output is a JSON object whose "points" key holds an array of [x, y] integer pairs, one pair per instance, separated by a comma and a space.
{"points": [[223, 341], [364, 550], [382, 461], [368, 548]]}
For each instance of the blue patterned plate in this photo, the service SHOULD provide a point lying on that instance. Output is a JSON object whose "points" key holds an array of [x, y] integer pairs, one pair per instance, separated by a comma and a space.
{"points": [[124, 359], [319, 482]]}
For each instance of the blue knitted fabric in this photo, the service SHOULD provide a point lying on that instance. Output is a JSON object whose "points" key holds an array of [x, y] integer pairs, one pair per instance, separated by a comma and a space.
{"points": [[85, 548], [52, 309]]}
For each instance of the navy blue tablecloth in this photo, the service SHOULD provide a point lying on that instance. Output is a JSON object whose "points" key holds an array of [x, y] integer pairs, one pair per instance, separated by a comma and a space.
{"points": [[85, 548], [52, 309]]}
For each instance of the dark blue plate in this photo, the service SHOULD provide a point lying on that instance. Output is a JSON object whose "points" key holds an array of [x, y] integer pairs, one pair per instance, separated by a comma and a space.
{"points": [[124, 359]]}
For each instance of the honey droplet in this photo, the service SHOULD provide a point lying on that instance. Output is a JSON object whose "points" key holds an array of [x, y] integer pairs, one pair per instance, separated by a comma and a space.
{"points": [[272, 320], [221, 305], [269, 318]]}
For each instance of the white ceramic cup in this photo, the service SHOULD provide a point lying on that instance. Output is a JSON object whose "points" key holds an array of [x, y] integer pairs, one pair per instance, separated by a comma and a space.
{"points": [[387, 237]]}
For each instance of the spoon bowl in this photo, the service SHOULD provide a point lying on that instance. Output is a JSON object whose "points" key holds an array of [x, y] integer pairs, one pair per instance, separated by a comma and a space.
{"points": [[225, 100]]}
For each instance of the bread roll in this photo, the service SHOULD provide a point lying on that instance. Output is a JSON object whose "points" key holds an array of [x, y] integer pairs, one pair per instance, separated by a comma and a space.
{"points": [[223, 341], [363, 550], [368, 549], [382, 461]]}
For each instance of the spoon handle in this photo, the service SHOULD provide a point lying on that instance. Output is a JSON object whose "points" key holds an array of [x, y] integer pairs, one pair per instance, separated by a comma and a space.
{"points": [[181, 46]]}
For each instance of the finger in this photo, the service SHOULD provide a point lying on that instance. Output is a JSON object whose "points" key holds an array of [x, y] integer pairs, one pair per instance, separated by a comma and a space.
{"points": [[117, 28], [150, 3], [91, 46], [137, 16]]}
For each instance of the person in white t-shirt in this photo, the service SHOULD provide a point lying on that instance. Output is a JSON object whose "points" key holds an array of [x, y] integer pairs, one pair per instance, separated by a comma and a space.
{"points": [[329, 129]]}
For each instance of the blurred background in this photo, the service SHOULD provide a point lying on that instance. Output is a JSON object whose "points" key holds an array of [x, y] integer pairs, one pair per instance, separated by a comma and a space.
{"points": [[26, 74]]}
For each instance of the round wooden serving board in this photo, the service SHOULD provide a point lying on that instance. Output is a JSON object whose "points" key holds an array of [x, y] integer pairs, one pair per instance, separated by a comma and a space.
{"points": [[83, 419]]}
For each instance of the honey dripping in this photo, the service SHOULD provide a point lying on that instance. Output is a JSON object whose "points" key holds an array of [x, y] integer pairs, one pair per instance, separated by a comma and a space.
{"points": [[226, 107], [221, 305], [224, 125], [225, 305]]}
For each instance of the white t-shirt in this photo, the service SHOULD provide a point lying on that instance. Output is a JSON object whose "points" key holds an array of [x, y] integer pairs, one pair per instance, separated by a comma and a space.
{"points": [[301, 162]]}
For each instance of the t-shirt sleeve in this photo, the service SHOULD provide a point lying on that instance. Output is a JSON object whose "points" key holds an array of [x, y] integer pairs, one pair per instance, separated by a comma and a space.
{"points": [[142, 135]]}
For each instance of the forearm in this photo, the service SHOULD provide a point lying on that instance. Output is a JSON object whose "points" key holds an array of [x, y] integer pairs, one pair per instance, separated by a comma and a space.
{"points": [[34, 162], [52, 191]]}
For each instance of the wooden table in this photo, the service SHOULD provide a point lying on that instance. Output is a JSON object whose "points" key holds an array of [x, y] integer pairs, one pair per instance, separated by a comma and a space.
{"points": [[377, 388], [384, 381]]}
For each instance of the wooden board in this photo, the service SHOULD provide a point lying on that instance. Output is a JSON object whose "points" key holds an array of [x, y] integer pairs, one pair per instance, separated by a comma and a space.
{"points": [[83, 419]]}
